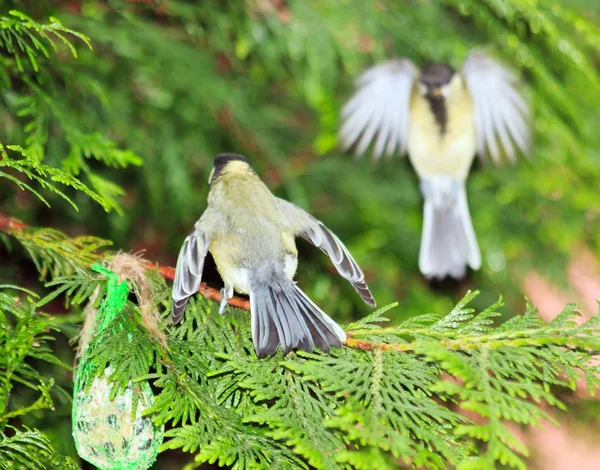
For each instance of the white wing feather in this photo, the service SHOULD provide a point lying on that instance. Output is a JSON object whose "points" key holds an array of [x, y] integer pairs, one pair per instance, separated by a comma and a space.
{"points": [[501, 113], [380, 107]]}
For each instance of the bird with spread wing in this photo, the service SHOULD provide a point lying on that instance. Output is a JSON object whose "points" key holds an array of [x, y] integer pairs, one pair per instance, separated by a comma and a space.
{"points": [[251, 235], [442, 118]]}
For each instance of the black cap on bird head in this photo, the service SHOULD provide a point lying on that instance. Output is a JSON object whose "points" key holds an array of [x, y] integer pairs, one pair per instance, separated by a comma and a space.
{"points": [[436, 75], [224, 159]]}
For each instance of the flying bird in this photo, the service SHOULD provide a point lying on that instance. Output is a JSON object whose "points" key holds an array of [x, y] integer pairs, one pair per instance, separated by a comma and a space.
{"points": [[251, 236], [442, 118]]}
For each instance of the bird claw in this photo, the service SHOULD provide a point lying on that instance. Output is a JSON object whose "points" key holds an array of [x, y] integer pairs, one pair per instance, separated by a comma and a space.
{"points": [[224, 300]]}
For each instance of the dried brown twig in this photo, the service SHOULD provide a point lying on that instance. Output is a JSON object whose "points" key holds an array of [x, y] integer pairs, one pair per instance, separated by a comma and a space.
{"points": [[9, 225]]}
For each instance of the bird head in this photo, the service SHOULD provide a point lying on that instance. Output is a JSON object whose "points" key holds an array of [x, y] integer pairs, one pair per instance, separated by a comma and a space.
{"points": [[229, 163], [435, 81]]}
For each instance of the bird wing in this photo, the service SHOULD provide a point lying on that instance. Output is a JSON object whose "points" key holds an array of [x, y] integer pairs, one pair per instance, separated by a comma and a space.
{"points": [[188, 273], [501, 113], [302, 223], [380, 105]]}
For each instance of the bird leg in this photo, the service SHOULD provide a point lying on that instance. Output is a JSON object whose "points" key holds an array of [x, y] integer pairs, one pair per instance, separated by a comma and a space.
{"points": [[226, 294]]}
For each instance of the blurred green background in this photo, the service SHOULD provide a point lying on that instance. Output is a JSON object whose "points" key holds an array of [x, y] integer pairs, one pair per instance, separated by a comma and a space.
{"points": [[169, 84]]}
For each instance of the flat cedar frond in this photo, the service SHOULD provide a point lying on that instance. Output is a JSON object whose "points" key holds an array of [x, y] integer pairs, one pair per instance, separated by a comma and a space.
{"points": [[77, 288], [56, 255], [21, 35], [38, 99], [22, 448], [370, 320], [389, 395], [399, 399], [43, 175], [24, 336], [386, 403], [129, 362], [32, 450], [288, 414]]}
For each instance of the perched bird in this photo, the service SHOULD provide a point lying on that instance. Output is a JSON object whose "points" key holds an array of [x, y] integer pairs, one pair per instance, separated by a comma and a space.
{"points": [[251, 236], [443, 119]]}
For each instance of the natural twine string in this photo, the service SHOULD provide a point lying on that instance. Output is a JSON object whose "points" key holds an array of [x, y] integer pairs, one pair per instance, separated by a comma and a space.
{"points": [[131, 268]]}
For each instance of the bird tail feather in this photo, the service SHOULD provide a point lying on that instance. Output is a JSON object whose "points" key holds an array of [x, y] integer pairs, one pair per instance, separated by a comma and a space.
{"points": [[448, 242], [284, 315]]}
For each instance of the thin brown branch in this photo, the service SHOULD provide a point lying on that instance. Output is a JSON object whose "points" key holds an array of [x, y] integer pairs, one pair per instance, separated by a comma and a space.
{"points": [[369, 346], [9, 225]]}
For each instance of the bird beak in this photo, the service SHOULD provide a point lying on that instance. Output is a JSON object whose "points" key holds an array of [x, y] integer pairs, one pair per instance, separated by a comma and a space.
{"points": [[436, 91]]}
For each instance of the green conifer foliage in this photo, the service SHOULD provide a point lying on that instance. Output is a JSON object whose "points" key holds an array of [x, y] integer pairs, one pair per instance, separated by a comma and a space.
{"points": [[117, 110], [400, 401], [24, 336]]}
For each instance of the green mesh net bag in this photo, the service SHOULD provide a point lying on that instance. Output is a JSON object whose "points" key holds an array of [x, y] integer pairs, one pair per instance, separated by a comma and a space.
{"points": [[112, 434]]}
